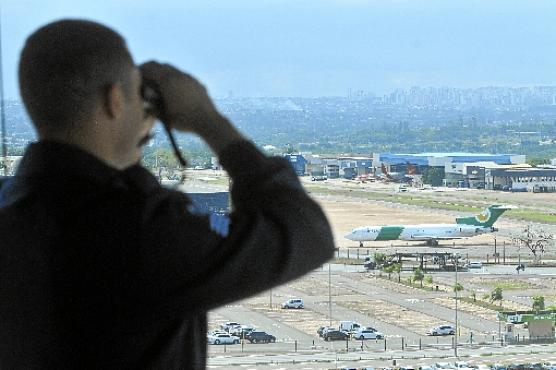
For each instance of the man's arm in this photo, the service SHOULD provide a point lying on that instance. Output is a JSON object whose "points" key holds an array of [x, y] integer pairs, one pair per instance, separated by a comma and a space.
{"points": [[277, 232]]}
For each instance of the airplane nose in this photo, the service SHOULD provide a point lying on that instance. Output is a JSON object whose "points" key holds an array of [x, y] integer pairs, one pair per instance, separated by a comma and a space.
{"points": [[349, 236]]}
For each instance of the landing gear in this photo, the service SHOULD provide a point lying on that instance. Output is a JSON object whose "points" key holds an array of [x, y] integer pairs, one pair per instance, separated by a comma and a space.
{"points": [[432, 243], [360, 244]]}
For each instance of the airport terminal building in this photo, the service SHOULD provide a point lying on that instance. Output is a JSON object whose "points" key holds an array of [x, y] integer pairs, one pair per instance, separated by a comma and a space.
{"points": [[508, 172]]}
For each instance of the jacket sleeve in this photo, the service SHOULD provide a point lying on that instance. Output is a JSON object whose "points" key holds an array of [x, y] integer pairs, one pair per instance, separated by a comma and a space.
{"points": [[277, 233]]}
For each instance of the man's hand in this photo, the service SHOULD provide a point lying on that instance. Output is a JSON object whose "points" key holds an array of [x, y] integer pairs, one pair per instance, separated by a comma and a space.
{"points": [[187, 106]]}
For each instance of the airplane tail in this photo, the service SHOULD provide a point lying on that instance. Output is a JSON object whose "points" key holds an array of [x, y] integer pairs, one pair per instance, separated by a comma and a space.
{"points": [[486, 218], [385, 171], [410, 169]]}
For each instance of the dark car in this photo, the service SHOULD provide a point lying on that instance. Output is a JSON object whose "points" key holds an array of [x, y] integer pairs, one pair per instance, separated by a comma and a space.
{"points": [[335, 335], [260, 337]]}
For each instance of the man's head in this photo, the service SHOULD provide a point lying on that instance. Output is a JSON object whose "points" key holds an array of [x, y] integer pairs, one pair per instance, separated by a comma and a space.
{"points": [[77, 78]]}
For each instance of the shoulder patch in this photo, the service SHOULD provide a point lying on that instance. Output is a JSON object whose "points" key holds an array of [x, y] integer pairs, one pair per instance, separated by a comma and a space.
{"points": [[220, 224]]}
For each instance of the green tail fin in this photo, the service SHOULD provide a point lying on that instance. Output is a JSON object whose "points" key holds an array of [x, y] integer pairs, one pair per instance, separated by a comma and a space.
{"points": [[487, 218]]}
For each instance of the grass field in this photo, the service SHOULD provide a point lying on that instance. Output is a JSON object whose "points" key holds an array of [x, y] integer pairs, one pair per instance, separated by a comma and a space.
{"points": [[524, 214]]}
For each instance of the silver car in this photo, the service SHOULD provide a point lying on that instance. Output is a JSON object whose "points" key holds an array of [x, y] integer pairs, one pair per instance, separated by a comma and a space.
{"points": [[222, 338], [293, 303], [442, 330]]}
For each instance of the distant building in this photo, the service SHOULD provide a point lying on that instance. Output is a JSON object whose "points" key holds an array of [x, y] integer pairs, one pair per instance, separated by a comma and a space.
{"points": [[460, 169], [298, 163], [315, 165], [354, 166], [537, 180]]}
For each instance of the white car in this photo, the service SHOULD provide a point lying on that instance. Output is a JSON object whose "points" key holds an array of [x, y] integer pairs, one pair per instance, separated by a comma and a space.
{"points": [[368, 334], [462, 365], [475, 265], [293, 303], [442, 330], [230, 326], [443, 365], [242, 331], [222, 338]]}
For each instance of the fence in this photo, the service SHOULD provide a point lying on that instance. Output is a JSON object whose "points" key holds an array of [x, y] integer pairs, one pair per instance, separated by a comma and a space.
{"points": [[433, 343]]}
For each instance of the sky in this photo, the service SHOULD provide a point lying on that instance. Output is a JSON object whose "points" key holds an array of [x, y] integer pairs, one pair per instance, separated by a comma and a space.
{"points": [[316, 48]]}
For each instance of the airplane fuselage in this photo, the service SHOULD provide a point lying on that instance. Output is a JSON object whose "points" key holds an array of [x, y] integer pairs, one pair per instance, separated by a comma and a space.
{"points": [[417, 232]]}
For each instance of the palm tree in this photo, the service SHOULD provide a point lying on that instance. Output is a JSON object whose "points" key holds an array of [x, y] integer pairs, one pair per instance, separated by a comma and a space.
{"points": [[418, 275], [388, 269], [496, 295], [458, 287], [428, 280], [538, 303], [397, 268], [380, 258]]}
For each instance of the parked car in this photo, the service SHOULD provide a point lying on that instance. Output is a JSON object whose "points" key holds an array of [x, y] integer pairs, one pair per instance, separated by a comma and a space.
{"points": [[442, 330], [475, 265], [368, 334], [443, 365], [230, 326], [293, 303], [242, 331], [318, 178], [335, 335], [218, 331], [324, 329], [260, 337], [222, 338], [462, 365], [349, 326]]}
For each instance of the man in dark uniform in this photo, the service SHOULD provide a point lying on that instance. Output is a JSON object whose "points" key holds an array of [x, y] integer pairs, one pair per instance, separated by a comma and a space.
{"points": [[102, 268]]}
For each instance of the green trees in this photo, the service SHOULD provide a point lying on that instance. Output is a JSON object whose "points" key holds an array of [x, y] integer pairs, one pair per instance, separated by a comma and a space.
{"points": [[538, 303], [380, 258], [388, 269], [458, 287], [433, 176], [428, 280], [397, 268], [496, 295], [418, 275]]}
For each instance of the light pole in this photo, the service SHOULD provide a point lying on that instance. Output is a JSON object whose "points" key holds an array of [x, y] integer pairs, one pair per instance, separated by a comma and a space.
{"points": [[329, 297], [456, 295]]}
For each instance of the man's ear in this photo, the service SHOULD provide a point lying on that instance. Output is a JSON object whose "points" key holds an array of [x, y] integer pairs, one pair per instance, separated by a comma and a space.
{"points": [[114, 100]]}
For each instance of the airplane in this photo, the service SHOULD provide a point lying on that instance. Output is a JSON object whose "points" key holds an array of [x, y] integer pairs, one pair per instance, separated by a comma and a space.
{"points": [[465, 227]]}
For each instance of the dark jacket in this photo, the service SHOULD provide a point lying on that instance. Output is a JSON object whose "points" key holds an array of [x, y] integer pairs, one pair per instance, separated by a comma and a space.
{"points": [[105, 269]]}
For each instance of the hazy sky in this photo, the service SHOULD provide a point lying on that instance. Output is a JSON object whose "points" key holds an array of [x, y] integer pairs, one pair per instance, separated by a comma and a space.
{"points": [[320, 47]]}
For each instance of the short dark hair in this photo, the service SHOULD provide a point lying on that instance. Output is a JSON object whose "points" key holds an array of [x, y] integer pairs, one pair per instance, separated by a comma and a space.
{"points": [[66, 67]]}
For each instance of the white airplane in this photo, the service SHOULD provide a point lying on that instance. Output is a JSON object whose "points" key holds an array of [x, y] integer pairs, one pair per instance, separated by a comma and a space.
{"points": [[465, 227]]}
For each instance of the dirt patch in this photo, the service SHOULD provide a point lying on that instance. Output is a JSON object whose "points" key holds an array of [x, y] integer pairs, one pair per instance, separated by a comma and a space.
{"points": [[394, 314]]}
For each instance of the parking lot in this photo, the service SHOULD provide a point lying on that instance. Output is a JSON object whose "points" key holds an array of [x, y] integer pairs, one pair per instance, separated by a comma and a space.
{"points": [[403, 313]]}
